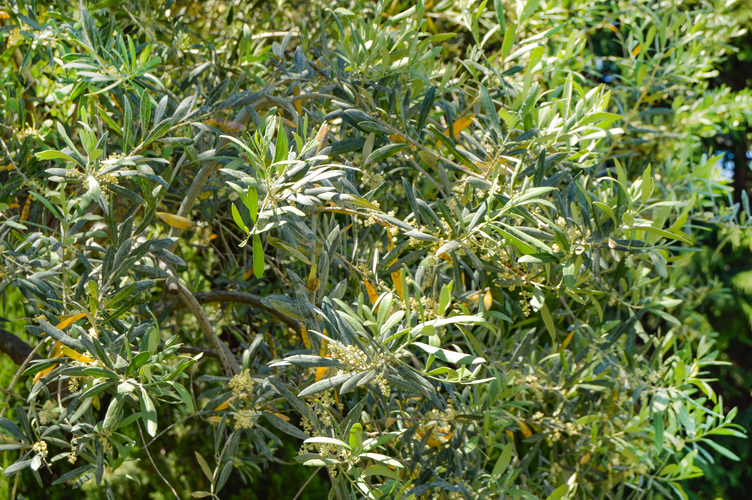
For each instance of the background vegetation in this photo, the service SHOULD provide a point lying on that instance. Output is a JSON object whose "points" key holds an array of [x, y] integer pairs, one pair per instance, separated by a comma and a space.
{"points": [[446, 249]]}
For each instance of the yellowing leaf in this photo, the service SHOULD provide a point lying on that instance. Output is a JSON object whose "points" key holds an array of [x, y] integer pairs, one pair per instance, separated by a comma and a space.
{"points": [[397, 280], [70, 320], [474, 298], [636, 50], [226, 404], [428, 158], [26, 208], [321, 135], [42, 374], [226, 125], [247, 275], [320, 372], [287, 122], [313, 282], [396, 275], [487, 300], [298, 104], [57, 350], [283, 417], [460, 125], [525, 429], [484, 166], [397, 138], [439, 437], [322, 351], [74, 355], [95, 402], [304, 334], [372, 295], [440, 442], [175, 220], [567, 341]]}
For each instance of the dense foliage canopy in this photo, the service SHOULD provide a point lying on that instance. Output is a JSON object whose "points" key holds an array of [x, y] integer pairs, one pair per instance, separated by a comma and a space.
{"points": [[441, 248]]}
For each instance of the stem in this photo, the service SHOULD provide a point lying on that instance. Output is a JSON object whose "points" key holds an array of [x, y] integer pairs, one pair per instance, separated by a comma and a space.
{"points": [[20, 371], [146, 449], [300, 491]]}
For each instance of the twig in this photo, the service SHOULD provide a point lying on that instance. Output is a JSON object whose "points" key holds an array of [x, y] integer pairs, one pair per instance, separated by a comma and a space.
{"points": [[300, 491], [10, 159], [15, 486], [428, 176], [273, 34], [310, 95], [197, 414], [285, 103], [146, 449], [10, 393], [20, 371]]}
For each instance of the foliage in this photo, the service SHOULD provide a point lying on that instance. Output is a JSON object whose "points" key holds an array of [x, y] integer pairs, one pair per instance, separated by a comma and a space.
{"points": [[449, 242]]}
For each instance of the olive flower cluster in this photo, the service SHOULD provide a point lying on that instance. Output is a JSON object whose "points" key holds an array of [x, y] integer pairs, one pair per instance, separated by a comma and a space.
{"points": [[356, 360], [242, 382]]}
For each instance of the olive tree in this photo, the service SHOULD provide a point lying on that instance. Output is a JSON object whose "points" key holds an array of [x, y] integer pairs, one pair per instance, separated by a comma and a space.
{"points": [[442, 247]]}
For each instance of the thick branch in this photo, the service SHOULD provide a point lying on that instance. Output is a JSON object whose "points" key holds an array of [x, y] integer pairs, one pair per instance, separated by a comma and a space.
{"points": [[245, 298], [195, 189], [200, 179], [250, 299], [187, 349], [229, 363], [17, 349]]}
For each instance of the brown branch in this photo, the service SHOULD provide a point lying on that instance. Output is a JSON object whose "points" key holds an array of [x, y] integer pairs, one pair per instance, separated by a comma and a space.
{"points": [[20, 370], [243, 298], [249, 299], [195, 189], [226, 357], [17, 349], [187, 349]]}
